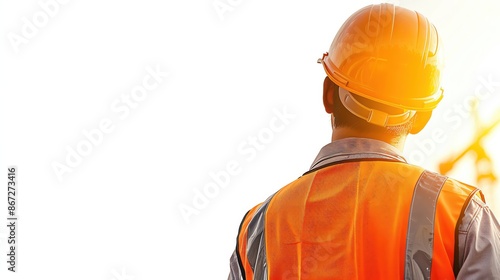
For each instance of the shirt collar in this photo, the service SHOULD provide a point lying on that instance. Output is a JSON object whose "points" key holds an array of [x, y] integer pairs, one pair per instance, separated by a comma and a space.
{"points": [[356, 149]]}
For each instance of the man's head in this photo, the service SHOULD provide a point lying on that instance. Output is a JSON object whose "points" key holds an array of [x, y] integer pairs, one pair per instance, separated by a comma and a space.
{"points": [[383, 71]]}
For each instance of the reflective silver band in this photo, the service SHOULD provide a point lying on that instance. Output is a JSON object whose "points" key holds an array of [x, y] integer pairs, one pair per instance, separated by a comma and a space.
{"points": [[235, 272], [256, 243], [420, 234]]}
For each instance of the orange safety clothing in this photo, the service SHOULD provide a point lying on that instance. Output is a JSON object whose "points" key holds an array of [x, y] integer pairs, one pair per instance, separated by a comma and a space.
{"points": [[362, 212]]}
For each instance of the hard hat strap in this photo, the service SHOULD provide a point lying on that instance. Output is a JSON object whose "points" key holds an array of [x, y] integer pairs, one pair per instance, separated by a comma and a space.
{"points": [[373, 116]]}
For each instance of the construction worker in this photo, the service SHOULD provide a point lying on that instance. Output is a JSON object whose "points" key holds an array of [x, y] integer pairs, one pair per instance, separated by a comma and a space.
{"points": [[362, 211]]}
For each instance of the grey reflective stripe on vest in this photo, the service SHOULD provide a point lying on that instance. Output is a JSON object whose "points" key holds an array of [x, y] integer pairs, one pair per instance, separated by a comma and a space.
{"points": [[420, 234], [235, 272], [256, 243]]}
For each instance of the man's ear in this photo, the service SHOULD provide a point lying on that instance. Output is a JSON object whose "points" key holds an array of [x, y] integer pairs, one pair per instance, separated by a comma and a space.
{"points": [[328, 91], [421, 120]]}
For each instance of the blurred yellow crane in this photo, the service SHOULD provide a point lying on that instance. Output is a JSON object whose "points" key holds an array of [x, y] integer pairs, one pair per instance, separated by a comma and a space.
{"points": [[485, 174]]}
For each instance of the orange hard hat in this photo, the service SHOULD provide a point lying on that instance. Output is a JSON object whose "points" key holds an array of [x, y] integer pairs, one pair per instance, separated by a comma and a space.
{"points": [[390, 55]]}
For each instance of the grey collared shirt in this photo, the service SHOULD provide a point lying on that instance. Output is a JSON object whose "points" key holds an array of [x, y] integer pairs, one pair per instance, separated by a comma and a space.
{"points": [[356, 148]]}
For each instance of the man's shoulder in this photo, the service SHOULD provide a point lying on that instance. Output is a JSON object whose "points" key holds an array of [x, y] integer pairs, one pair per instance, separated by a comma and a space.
{"points": [[460, 187], [451, 184]]}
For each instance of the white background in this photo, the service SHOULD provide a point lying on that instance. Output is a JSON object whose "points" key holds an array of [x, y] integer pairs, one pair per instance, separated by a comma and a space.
{"points": [[116, 214]]}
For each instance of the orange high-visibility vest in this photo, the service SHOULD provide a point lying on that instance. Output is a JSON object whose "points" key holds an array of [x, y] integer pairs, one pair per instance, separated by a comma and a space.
{"points": [[371, 219]]}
